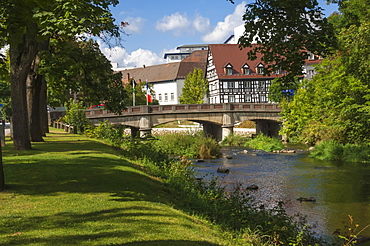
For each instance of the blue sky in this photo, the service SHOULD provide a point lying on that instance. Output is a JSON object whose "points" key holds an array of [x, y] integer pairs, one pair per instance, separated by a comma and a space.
{"points": [[159, 26]]}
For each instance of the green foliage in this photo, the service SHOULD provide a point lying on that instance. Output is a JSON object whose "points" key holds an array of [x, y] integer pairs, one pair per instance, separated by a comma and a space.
{"points": [[5, 87], [335, 103], [75, 116], [286, 31], [188, 144], [80, 68], [234, 140], [260, 141], [265, 143], [281, 84], [332, 150], [195, 88]]}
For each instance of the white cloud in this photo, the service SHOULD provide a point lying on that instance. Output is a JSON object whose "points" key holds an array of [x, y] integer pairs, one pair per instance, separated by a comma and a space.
{"points": [[175, 22], [225, 28], [137, 58], [135, 25], [201, 24]]}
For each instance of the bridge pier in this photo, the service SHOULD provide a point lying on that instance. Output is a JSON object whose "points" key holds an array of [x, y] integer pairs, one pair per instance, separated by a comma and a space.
{"points": [[213, 130], [145, 126], [227, 130]]}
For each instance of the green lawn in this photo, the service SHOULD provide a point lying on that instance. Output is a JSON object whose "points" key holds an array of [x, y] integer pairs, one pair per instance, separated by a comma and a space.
{"points": [[71, 190]]}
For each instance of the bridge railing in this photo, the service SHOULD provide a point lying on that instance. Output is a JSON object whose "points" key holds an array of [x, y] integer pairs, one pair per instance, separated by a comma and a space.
{"points": [[185, 108]]}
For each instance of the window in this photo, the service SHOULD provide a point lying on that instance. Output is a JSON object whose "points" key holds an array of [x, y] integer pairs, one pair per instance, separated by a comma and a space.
{"points": [[263, 99], [230, 85], [261, 85], [247, 84], [231, 99], [165, 97], [248, 98], [245, 69], [172, 96], [160, 97], [260, 69], [228, 69]]}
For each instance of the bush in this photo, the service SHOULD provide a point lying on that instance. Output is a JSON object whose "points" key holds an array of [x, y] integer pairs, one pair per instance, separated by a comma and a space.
{"points": [[234, 140], [188, 144], [75, 116], [265, 143], [332, 150]]}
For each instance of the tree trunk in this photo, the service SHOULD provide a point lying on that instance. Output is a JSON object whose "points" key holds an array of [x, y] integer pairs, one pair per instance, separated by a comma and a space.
{"points": [[21, 57], [43, 109], [2, 178], [35, 101]]}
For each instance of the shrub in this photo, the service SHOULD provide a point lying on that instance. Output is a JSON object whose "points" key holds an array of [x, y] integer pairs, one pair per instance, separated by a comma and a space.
{"points": [[188, 144], [328, 150], [234, 140], [332, 150], [75, 116], [265, 143]]}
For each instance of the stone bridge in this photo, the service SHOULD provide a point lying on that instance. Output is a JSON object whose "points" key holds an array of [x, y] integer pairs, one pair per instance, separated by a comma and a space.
{"points": [[218, 120]]}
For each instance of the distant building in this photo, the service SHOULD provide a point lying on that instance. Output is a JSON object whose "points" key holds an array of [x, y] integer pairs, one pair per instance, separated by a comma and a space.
{"points": [[184, 51], [167, 80], [233, 77]]}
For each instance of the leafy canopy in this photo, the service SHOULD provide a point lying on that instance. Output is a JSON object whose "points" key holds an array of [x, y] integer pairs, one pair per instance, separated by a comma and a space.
{"points": [[335, 103], [195, 88], [286, 31]]}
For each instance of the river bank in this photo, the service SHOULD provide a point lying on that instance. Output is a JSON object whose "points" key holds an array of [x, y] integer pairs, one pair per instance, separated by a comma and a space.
{"points": [[339, 189]]}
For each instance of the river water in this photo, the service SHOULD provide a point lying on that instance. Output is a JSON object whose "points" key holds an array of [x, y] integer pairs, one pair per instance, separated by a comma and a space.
{"points": [[340, 189]]}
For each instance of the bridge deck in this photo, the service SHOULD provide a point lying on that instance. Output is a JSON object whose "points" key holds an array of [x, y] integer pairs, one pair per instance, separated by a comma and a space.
{"points": [[187, 108]]}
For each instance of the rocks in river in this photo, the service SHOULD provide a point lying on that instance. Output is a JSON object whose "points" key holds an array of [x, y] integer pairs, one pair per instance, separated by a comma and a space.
{"points": [[289, 151], [305, 199], [228, 157], [223, 170], [199, 160], [252, 187]]}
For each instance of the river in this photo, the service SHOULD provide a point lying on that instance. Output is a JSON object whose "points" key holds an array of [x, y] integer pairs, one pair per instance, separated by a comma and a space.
{"points": [[340, 189]]}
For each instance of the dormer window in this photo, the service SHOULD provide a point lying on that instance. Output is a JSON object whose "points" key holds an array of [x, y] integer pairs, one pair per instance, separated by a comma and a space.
{"points": [[311, 56], [245, 69], [260, 68], [228, 69]]}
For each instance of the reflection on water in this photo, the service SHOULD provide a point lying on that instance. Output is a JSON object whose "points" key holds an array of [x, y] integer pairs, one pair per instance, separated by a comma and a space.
{"points": [[340, 189]]}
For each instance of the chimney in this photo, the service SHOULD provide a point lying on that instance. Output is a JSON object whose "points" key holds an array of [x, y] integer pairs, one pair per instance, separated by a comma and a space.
{"points": [[143, 66], [128, 76]]}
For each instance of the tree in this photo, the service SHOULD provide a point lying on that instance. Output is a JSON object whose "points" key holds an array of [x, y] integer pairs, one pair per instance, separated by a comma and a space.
{"points": [[195, 88], [286, 31], [78, 69], [335, 103], [27, 24]]}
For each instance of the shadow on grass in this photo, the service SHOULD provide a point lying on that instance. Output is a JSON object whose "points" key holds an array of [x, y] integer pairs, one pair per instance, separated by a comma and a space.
{"points": [[109, 178], [88, 175], [170, 242], [105, 227]]}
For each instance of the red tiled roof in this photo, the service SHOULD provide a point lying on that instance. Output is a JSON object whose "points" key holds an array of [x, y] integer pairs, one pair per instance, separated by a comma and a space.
{"points": [[168, 71], [224, 54]]}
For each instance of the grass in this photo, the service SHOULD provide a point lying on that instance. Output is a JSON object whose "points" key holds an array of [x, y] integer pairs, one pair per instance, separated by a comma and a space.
{"points": [[71, 190]]}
